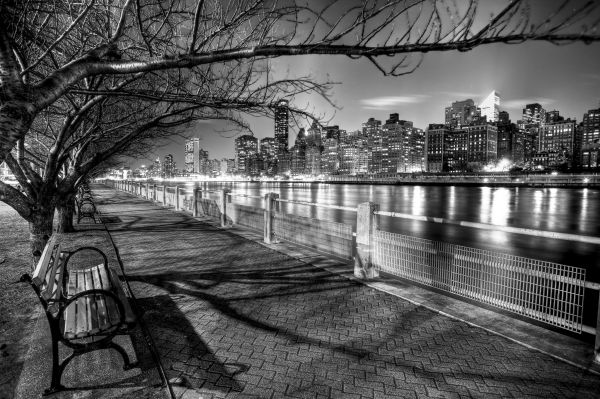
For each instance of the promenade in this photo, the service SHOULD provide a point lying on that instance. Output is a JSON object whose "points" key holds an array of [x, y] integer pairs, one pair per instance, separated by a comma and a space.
{"points": [[232, 317]]}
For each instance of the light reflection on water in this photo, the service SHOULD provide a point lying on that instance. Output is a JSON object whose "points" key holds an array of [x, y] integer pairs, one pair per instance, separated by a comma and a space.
{"points": [[574, 211]]}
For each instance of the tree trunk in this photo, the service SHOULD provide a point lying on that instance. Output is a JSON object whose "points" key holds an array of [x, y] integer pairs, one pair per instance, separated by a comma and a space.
{"points": [[40, 230], [66, 210]]}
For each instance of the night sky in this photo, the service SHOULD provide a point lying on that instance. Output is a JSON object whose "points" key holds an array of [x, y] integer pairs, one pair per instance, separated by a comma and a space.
{"points": [[566, 78]]}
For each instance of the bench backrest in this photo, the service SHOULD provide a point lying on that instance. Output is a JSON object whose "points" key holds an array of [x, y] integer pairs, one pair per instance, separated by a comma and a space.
{"points": [[47, 276]]}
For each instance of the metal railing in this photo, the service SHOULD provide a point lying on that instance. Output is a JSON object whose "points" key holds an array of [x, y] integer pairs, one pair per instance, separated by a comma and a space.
{"points": [[544, 291], [330, 237]]}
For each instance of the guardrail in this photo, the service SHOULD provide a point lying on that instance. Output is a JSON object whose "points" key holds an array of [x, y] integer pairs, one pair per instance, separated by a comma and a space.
{"points": [[548, 180], [543, 291]]}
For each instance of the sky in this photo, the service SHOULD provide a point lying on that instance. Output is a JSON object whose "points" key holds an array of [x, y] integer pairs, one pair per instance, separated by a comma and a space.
{"points": [[565, 78]]}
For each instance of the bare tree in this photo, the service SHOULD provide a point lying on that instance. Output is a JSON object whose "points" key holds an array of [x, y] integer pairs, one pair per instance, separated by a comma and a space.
{"points": [[50, 48], [90, 127]]}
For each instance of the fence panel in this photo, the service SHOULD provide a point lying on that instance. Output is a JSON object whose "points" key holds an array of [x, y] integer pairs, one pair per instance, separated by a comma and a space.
{"points": [[170, 196], [331, 237], [544, 291], [208, 207], [247, 216]]}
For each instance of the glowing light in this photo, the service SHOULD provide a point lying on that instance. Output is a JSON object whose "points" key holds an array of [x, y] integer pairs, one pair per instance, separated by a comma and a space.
{"points": [[502, 165]]}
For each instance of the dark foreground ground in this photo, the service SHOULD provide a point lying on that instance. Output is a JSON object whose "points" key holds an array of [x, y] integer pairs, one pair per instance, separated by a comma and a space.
{"points": [[233, 318]]}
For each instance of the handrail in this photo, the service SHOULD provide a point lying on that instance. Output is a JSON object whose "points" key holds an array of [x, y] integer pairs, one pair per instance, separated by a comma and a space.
{"points": [[244, 195], [343, 208], [495, 227]]}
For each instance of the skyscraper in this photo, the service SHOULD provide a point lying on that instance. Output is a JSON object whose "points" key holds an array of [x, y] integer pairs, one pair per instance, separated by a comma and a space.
{"points": [[461, 113], [438, 148], [192, 155], [372, 130], [591, 126], [533, 114], [168, 166], [557, 142], [281, 126], [246, 147], [489, 106]]}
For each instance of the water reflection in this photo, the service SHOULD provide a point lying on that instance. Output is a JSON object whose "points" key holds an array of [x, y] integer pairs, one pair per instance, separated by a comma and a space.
{"points": [[500, 206], [561, 210]]}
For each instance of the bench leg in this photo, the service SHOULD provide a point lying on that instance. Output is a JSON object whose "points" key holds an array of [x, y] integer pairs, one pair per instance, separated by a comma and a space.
{"points": [[57, 370], [128, 365]]}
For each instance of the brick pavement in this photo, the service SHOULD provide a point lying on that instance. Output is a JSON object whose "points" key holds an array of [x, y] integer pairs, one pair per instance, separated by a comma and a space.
{"points": [[233, 318]]}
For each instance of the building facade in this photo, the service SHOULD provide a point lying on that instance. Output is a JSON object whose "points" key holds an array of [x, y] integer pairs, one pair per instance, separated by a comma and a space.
{"points": [[281, 126], [246, 148], [461, 113], [489, 107]]}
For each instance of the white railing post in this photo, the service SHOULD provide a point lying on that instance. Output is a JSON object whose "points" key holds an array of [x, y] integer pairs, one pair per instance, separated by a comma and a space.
{"points": [[195, 202], [164, 200], [366, 224], [176, 198], [147, 190], [271, 205], [223, 200], [154, 192]]}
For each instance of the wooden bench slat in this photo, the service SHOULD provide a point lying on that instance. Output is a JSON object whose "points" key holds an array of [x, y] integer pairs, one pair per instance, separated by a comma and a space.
{"points": [[111, 307], [103, 321], [92, 313], [70, 315], [81, 325]]}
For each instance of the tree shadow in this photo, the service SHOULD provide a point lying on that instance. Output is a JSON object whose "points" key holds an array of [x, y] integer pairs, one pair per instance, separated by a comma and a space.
{"points": [[187, 359]]}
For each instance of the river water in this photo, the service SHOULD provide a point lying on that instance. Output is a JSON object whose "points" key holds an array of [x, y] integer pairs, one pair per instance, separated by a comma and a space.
{"points": [[575, 211]]}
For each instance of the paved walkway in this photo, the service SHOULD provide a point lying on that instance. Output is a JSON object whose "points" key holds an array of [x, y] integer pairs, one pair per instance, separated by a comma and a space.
{"points": [[233, 318]]}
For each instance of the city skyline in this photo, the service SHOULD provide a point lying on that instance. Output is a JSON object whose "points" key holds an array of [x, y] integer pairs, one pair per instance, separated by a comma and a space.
{"points": [[558, 77]]}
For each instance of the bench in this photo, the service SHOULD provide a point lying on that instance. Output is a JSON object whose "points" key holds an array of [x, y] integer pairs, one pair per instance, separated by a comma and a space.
{"points": [[85, 208], [85, 304]]}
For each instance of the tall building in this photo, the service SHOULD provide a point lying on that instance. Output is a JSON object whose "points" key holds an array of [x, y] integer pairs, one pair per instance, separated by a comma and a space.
{"points": [[591, 126], [490, 106], [402, 147], [313, 161], [246, 147], [214, 167], [533, 114], [168, 166], [483, 145], [437, 148], [281, 126], [192, 155], [203, 162], [461, 113], [313, 135], [329, 157], [268, 147], [227, 166], [553, 116], [372, 130], [557, 143]]}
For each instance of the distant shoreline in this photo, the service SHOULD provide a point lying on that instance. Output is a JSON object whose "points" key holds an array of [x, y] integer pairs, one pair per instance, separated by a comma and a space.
{"points": [[524, 180]]}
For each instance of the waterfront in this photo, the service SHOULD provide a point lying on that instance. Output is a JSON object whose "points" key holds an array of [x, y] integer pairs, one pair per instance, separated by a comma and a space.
{"points": [[572, 211]]}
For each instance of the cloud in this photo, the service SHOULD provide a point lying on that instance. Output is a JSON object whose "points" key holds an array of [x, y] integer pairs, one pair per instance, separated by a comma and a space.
{"points": [[456, 95], [521, 102], [389, 102]]}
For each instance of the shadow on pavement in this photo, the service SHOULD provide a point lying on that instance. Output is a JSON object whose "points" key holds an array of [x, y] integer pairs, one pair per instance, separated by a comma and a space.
{"points": [[169, 323]]}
